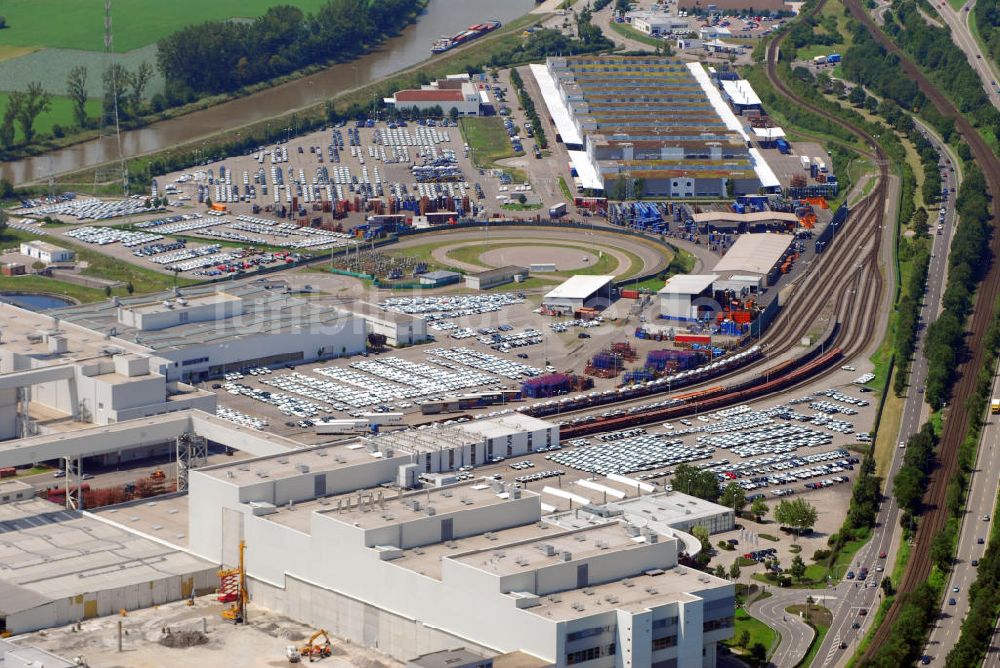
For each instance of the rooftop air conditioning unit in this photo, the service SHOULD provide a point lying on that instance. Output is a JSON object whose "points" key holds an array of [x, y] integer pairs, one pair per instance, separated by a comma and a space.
{"points": [[567, 556]]}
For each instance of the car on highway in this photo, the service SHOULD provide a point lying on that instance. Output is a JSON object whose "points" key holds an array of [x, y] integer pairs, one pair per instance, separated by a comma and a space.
{"points": [[974, 562], [59, 474], [952, 601], [902, 444], [850, 575], [88, 476], [955, 589], [863, 611], [882, 554], [925, 660], [980, 541], [986, 518], [856, 625]]}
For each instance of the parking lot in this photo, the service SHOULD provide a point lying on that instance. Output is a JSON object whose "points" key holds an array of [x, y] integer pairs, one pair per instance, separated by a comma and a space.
{"points": [[328, 178]]}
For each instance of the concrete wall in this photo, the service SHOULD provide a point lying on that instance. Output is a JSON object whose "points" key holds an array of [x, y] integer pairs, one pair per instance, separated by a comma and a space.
{"points": [[110, 601]]}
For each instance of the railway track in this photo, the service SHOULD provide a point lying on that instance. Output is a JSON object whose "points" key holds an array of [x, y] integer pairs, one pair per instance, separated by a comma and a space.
{"points": [[933, 521]]}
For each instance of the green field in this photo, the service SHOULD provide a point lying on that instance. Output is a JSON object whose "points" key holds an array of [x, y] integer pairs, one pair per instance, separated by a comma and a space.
{"points": [[61, 113], [487, 140], [631, 33], [79, 24], [758, 630]]}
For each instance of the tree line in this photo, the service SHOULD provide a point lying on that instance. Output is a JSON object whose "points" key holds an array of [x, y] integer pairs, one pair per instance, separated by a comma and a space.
{"points": [[988, 23], [967, 265], [221, 56], [947, 65], [529, 109]]}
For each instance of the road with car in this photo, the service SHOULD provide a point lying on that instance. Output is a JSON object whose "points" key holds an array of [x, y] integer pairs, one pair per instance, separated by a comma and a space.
{"points": [[974, 534]]}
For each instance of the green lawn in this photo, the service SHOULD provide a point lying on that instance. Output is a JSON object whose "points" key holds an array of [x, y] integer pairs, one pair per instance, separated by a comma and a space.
{"points": [[79, 24], [758, 630], [30, 284], [61, 113], [565, 190], [470, 254], [819, 618], [631, 33], [487, 139]]}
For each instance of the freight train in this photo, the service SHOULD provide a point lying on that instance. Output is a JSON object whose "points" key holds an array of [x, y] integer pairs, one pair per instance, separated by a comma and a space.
{"points": [[769, 381], [664, 384], [467, 35]]}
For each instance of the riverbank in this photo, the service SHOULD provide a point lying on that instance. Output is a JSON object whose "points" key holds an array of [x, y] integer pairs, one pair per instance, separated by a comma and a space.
{"points": [[199, 127], [81, 136], [468, 57]]}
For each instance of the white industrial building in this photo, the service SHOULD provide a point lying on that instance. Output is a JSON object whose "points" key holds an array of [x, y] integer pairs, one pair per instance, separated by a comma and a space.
{"points": [[755, 254], [399, 329], [658, 24], [684, 295], [479, 564], [447, 94], [579, 291], [46, 252], [338, 537], [206, 333]]}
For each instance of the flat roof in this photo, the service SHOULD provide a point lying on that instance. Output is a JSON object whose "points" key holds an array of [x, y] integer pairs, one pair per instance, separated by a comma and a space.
{"points": [[579, 287], [688, 284], [502, 425], [287, 464], [557, 107], [765, 174], [439, 274], [740, 92], [264, 312], [754, 253], [43, 245], [159, 306], [768, 133], [633, 594], [430, 95], [585, 170], [163, 517], [49, 553], [500, 271], [385, 507]]}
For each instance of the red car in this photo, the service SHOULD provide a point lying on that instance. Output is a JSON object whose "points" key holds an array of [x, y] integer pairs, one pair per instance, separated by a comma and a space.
{"points": [[882, 555]]}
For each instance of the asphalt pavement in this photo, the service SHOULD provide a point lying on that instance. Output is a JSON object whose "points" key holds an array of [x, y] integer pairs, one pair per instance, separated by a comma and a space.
{"points": [[976, 524], [958, 23], [887, 533]]}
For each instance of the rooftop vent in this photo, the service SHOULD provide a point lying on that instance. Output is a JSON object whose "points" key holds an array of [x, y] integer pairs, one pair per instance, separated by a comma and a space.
{"points": [[652, 591], [547, 549], [588, 591], [653, 572], [567, 556], [627, 583]]}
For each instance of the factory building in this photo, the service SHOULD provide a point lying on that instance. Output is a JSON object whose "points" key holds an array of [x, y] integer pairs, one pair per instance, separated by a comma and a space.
{"points": [[46, 252], [649, 126], [740, 94], [755, 255], [491, 278], [446, 94], [204, 334], [91, 567], [440, 278], [687, 296], [399, 329], [481, 566], [54, 374], [578, 292], [658, 24]]}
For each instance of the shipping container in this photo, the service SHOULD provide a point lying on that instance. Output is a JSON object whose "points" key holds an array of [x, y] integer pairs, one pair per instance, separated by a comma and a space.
{"points": [[704, 339]]}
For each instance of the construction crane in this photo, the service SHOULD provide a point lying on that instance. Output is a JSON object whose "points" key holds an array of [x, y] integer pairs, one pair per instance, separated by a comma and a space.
{"points": [[233, 589], [314, 648]]}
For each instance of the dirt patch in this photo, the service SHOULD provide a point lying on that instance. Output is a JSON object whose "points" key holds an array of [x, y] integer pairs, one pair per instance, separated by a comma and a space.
{"points": [[565, 258], [182, 639]]}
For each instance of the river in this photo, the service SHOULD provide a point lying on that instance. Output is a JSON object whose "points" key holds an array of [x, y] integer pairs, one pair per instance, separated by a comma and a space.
{"points": [[442, 17]]}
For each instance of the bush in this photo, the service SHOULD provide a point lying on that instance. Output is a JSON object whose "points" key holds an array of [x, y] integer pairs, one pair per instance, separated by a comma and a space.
{"points": [[57, 131], [820, 555]]}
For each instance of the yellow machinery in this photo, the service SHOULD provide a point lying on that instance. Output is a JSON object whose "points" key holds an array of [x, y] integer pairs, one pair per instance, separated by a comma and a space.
{"points": [[233, 588], [316, 649]]}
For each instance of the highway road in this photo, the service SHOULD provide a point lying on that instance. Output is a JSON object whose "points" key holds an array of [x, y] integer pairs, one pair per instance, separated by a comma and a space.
{"points": [[979, 505], [961, 34], [853, 597]]}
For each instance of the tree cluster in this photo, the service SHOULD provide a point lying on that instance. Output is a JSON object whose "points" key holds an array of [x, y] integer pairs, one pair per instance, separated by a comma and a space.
{"points": [[932, 47], [966, 267], [988, 23], [798, 514], [911, 479], [908, 310], [696, 482], [906, 641], [529, 108], [23, 108], [221, 56]]}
